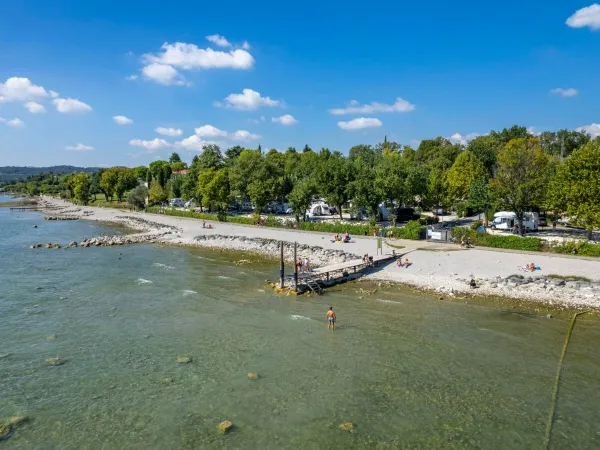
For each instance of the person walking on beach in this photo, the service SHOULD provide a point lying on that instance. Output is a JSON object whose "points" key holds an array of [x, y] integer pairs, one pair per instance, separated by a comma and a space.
{"points": [[331, 319]]}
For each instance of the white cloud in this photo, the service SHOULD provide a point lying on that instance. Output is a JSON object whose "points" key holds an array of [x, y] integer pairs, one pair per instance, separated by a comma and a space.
{"points": [[565, 92], [35, 108], [79, 148], [593, 130], [354, 107], [169, 131], [286, 119], [248, 100], [218, 40], [246, 46], [122, 120], [359, 123], [21, 90], [586, 17], [532, 131], [243, 135], [14, 123], [162, 67], [53, 94], [152, 146], [162, 74], [209, 131], [71, 105], [194, 143], [458, 138]]}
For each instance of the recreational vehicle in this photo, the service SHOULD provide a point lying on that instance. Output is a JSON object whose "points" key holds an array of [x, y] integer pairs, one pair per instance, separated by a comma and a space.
{"points": [[507, 220]]}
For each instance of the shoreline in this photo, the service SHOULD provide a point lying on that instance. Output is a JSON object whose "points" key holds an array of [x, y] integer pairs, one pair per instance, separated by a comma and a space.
{"points": [[445, 270]]}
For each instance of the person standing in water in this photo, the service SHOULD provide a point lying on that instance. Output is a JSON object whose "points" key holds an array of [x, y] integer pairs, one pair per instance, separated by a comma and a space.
{"points": [[330, 319]]}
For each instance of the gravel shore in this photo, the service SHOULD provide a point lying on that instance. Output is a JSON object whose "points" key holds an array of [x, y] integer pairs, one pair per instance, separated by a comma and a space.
{"points": [[435, 267]]}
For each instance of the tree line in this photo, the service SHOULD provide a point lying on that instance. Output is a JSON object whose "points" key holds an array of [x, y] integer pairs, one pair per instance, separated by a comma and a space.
{"points": [[508, 169]]}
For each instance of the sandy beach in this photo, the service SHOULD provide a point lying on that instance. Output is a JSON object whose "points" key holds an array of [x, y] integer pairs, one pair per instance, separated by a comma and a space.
{"points": [[436, 267]]}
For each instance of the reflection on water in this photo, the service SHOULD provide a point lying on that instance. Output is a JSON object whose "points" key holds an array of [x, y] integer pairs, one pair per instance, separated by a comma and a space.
{"points": [[410, 371]]}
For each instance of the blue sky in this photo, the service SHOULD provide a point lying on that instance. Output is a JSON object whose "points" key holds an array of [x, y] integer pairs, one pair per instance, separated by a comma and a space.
{"points": [[414, 70]]}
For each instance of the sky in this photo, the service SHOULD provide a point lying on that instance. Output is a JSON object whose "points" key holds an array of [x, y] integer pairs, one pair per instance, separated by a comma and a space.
{"points": [[125, 83]]}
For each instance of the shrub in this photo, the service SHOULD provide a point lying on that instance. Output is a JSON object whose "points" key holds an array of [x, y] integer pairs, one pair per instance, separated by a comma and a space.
{"points": [[476, 225], [461, 209], [137, 196], [490, 240], [413, 230], [577, 248], [429, 220]]}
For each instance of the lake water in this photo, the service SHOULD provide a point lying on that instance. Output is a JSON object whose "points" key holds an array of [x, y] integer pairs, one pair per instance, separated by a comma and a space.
{"points": [[409, 370]]}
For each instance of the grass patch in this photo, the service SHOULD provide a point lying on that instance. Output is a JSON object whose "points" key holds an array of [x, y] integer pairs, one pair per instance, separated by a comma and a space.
{"points": [[568, 278], [426, 249]]}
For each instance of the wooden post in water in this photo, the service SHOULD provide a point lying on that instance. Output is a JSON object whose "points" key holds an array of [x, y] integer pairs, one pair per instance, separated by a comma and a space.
{"points": [[281, 267], [296, 266]]}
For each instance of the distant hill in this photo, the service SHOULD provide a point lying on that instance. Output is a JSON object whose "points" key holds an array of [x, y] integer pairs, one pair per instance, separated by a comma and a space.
{"points": [[15, 173]]}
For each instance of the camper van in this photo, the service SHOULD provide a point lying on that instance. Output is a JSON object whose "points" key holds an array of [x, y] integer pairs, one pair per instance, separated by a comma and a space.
{"points": [[506, 220]]}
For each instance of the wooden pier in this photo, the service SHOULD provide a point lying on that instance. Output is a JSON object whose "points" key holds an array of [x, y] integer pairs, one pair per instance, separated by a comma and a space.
{"points": [[323, 277]]}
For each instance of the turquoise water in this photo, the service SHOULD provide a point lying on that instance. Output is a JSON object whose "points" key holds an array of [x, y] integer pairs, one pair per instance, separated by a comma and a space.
{"points": [[409, 370]]}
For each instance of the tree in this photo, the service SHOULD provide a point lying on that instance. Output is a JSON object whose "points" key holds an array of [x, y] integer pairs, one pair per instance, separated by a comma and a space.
{"points": [[210, 157], [306, 149], [438, 153], [156, 194], [108, 181], [95, 183], [178, 166], [231, 154], [576, 188], [126, 180], [479, 194], [334, 179], [363, 188], [301, 197], [522, 176], [174, 186], [563, 142], [137, 196], [81, 187], [174, 158], [466, 169], [508, 134], [250, 178], [161, 172], [141, 172], [213, 187], [486, 149], [390, 178]]}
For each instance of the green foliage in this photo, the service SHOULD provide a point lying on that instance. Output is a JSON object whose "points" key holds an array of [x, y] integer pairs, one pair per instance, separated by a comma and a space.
{"points": [[174, 158], [495, 241], [577, 248], [161, 172], [476, 225], [301, 196], [141, 172], [174, 186], [156, 194], [479, 198], [575, 190], [522, 176], [81, 187], [213, 187], [465, 170], [136, 198], [462, 209]]}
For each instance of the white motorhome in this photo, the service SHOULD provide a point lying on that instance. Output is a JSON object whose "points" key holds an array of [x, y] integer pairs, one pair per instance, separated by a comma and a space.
{"points": [[506, 220]]}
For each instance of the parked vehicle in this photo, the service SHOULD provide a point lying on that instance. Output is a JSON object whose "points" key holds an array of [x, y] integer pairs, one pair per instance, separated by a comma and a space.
{"points": [[406, 215], [507, 220], [177, 202], [190, 204], [318, 209]]}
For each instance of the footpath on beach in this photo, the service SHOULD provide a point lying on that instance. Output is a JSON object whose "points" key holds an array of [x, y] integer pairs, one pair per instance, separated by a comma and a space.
{"points": [[443, 268]]}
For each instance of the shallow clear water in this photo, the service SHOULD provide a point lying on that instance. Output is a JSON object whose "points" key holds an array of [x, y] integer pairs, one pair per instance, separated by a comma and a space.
{"points": [[409, 370]]}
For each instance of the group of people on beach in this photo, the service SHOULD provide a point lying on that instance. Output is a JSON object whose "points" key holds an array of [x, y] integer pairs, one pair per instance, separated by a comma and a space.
{"points": [[209, 226], [465, 242], [338, 238], [403, 263]]}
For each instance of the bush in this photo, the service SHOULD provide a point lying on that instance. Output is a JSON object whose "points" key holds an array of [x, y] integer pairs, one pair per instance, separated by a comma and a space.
{"points": [[490, 240], [476, 225], [413, 230], [461, 209], [429, 220], [137, 196], [577, 248]]}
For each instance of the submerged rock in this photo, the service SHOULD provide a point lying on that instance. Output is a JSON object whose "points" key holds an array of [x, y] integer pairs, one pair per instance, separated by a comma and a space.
{"points": [[55, 361], [5, 430], [253, 376], [184, 359], [347, 426], [18, 420], [167, 380], [51, 337], [224, 426]]}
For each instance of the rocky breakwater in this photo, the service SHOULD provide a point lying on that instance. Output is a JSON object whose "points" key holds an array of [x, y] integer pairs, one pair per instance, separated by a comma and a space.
{"points": [[61, 218], [146, 225], [318, 256], [107, 241], [569, 292]]}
